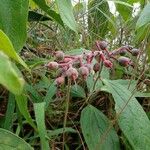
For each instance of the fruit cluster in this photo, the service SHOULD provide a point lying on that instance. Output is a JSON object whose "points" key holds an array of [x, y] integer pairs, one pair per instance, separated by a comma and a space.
{"points": [[73, 66]]}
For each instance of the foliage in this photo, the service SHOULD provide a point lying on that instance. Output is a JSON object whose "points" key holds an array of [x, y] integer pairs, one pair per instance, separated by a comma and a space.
{"points": [[75, 75]]}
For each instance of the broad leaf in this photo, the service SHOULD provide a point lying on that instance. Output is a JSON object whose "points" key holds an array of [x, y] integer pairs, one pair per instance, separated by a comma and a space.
{"points": [[94, 125], [10, 141], [10, 77], [7, 48], [66, 13], [133, 121], [42, 4], [13, 21], [144, 17], [39, 109]]}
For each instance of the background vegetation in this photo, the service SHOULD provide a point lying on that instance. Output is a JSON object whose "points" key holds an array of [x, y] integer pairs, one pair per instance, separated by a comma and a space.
{"points": [[110, 113]]}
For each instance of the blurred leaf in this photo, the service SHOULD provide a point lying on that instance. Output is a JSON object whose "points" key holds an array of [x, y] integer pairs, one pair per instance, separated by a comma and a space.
{"points": [[77, 91], [34, 16], [23, 108], [10, 141], [56, 132], [50, 93], [10, 77], [97, 21], [76, 51], [90, 83], [94, 124], [79, 8], [133, 121], [42, 4], [39, 109], [124, 9], [8, 123], [144, 18], [13, 21], [66, 12], [35, 96], [7, 47]]}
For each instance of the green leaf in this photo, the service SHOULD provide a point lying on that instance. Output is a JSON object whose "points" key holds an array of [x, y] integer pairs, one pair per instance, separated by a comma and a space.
{"points": [[56, 132], [94, 124], [124, 9], [34, 16], [50, 93], [133, 121], [13, 21], [42, 4], [97, 20], [10, 141], [144, 17], [77, 91], [10, 112], [23, 108], [10, 77], [39, 109], [66, 12], [7, 48]]}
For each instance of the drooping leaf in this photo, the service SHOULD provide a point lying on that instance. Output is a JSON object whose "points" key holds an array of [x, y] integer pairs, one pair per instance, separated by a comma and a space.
{"points": [[10, 141], [94, 125], [56, 17], [144, 17], [7, 48], [13, 21], [133, 121], [66, 12], [39, 109], [23, 108], [77, 91], [34, 16], [10, 77]]}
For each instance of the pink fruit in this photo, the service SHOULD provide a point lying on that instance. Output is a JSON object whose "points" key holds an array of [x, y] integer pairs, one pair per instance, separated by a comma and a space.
{"points": [[59, 55], [135, 52], [122, 50], [107, 63], [72, 73], [103, 45], [52, 65], [124, 61], [84, 71], [96, 67], [60, 80]]}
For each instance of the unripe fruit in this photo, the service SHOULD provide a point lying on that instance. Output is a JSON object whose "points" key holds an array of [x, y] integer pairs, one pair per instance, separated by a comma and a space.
{"points": [[52, 65], [135, 52], [96, 67], [84, 71], [103, 45], [60, 80], [107, 63], [59, 55], [124, 61], [72, 73]]}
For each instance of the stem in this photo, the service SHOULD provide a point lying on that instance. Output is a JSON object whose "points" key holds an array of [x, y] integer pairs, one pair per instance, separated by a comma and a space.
{"points": [[88, 98], [66, 111]]}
